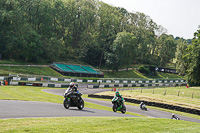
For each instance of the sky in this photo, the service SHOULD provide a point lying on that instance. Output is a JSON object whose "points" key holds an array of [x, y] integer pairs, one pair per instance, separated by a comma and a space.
{"points": [[180, 17]]}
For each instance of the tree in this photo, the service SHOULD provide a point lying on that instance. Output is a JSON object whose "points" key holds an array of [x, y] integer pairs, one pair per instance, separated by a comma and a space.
{"points": [[122, 51], [188, 59], [108, 27], [180, 58], [166, 49], [193, 70], [79, 29]]}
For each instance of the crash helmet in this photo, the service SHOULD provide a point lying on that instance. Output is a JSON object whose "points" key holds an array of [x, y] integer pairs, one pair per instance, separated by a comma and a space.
{"points": [[71, 84], [117, 93]]}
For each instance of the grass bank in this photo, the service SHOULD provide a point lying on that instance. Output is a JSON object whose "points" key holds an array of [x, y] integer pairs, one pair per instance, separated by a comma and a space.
{"points": [[46, 71], [121, 74], [180, 96], [151, 107], [97, 124]]}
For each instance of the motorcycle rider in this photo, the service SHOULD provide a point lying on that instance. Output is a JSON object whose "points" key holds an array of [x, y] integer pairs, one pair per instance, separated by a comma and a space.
{"points": [[143, 106], [72, 89], [120, 97], [175, 117]]}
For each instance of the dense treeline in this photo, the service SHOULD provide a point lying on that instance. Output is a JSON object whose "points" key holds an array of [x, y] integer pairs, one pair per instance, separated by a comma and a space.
{"points": [[88, 30], [188, 59]]}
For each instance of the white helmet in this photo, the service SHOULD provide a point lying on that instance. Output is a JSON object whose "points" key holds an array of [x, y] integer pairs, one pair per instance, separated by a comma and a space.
{"points": [[71, 84]]}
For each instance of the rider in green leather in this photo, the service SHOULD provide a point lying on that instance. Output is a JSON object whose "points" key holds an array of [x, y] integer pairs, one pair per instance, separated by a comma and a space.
{"points": [[121, 99]]}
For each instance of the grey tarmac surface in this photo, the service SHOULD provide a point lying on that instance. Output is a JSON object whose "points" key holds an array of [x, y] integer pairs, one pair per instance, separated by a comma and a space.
{"points": [[29, 109], [135, 109]]}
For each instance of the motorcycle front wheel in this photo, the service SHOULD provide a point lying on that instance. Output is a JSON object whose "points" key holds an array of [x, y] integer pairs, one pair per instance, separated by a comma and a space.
{"points": [[123, 109], [81, 105], [66, 103], [115, 107]]}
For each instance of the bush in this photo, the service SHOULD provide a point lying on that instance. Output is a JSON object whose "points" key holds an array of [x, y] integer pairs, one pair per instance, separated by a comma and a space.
{"points": [[144, 70]]}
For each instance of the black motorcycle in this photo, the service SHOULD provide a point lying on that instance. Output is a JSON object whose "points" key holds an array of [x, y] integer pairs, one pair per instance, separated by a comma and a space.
{"points": [[73, 99], [118, 105]]}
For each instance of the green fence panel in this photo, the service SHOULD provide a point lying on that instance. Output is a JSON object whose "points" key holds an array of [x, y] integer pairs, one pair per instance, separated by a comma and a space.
{"points": [[38, 79], [64, 86], [116, 85], [51, 85], [24, 78], [125, 85], [60, 79], [74, 80], [106, 85], [133, 85], [95, 86]]}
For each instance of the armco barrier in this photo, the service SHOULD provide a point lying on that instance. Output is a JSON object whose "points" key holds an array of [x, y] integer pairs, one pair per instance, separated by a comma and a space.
{"points": [[56, 85], [109, 81], [156, 104], [134, 85]]}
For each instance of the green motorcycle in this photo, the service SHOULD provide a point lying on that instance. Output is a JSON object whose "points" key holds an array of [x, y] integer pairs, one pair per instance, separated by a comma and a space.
{"points": [[118, 105]]}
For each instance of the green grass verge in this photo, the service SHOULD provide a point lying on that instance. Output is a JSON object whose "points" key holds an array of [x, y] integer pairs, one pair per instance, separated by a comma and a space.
{"points": [[97, 125], [151, 107], [171, 96]]}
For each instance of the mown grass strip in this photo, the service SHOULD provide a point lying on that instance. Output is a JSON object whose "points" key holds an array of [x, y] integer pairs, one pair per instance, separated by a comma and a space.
{"points": [[97, 124]]}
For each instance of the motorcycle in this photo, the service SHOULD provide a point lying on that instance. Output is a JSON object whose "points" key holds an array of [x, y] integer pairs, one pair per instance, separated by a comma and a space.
{"points": [[143, 106], [73, 99], [118, 106], [175, 117]]}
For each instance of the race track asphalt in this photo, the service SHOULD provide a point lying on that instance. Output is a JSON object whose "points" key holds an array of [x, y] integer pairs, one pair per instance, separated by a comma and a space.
{"points": [[135, 109], [29, 109]]}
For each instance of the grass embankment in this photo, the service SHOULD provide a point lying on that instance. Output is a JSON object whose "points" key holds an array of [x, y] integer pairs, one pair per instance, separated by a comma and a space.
{"points": [[121, 74], [97, 124], [169, 76], [46, 71], [167, 95]]}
